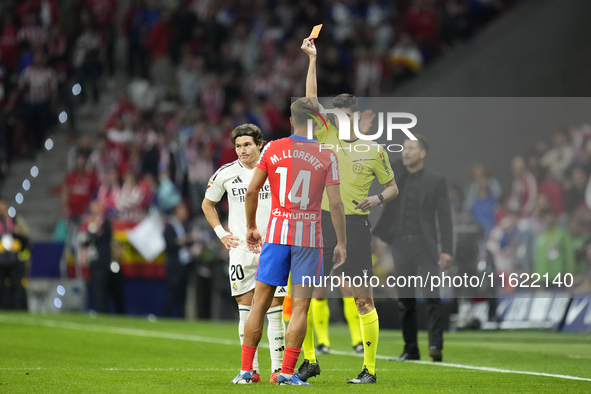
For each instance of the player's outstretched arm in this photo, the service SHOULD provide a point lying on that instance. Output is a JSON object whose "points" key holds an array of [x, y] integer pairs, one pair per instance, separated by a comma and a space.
{"points": [[311, 84], [337, 214], [253, 237], [228, 239]]}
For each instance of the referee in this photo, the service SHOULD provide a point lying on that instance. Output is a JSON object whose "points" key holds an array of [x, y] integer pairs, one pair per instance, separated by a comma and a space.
{"points": [[357, 171]]}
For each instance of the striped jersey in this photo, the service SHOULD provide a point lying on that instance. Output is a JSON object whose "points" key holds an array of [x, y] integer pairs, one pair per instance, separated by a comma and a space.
{"points": [[298, 170]]}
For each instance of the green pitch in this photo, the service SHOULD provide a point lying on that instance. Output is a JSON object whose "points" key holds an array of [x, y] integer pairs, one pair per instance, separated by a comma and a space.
{"points": [[81, 354]]}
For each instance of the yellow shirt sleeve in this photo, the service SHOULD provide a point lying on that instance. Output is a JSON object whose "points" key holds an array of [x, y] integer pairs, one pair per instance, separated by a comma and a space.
{"points": [[382, 167]]}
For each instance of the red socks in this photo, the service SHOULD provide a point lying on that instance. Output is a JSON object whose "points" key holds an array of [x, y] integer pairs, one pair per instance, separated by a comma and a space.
{"points": [[290, 359], [248, 356]]}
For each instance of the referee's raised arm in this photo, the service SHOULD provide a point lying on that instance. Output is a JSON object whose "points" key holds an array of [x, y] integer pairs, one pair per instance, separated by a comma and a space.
{"points": [[311, 84]]}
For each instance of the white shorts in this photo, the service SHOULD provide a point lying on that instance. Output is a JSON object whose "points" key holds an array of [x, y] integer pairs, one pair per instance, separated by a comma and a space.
{"points": [[242, 272]]}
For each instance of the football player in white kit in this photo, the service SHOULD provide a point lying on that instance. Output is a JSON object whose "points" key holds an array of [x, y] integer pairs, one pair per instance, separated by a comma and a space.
{"points": [[233, 178]]}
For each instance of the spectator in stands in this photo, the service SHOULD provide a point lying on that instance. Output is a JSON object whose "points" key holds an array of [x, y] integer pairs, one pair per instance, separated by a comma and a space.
{"points": [[4, 140], [158, 45], [131, 160], [123, 109], [58, 49], [83, 147], [541, 147], [178, 258], [422, 23], [190, 80], [574, 191], [212, 98], [523, 190], [119, 136], [78, 190], [484, 210], [38, 83], [550, 187], [405, 58], [457, 25], [264, 82], [86, 57], [106, 279], [103, 158], [199, 152], [167, 194], [581, 141], [132, 201], [144, 94], [9, 42], [507, 242], [588, 258], [108, 192], [334, 80], [159, 158], [31, 31], [578, 230], [555, 251], [244, 48], [535, 225], [533, 163], [456, 201], [14, 240], [369, 73], [480, 176], [559, 158], [104, 13]]}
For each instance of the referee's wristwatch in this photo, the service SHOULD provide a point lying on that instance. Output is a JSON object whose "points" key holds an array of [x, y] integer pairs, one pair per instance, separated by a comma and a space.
{"points": [[381, 198]]}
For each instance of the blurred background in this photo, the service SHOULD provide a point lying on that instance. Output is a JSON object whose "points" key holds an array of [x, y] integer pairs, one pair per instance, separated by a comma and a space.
{"points": [[114, 112]]}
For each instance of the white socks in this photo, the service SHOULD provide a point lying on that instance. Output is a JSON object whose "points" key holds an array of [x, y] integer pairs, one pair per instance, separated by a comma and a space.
{"points": [[276, 336], [243, 311]]}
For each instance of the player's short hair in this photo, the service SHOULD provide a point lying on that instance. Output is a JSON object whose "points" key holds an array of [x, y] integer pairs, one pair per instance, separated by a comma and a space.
{"points": [[248, 130], [300, 109], [422, 140], [346, 100]]}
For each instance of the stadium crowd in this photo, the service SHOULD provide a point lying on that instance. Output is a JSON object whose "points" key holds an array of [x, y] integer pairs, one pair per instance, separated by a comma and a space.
{"points": [[233, 60], [199, 69]]}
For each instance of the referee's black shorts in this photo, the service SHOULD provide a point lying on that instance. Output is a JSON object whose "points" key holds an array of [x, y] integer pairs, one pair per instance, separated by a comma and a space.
{"points": [[358, 260]]}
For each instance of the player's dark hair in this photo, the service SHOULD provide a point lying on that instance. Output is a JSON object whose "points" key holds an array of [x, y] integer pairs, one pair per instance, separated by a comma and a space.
{"points": [[248, 130], [346, 100], [423, 141], [300, 110]]}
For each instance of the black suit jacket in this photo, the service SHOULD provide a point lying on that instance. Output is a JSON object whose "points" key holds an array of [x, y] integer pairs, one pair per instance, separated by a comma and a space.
{"points": [[433, 207]]}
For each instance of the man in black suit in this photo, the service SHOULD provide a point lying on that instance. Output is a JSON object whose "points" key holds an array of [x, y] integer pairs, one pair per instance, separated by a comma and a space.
{"points": [[409, 225], [178, 259]]}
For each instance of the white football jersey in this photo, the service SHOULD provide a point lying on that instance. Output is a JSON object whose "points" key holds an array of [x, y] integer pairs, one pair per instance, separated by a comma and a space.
{"points": [[233, 178]]}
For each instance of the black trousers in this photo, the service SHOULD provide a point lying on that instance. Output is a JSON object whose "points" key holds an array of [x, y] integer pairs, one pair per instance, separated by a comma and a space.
{"points": [[37, 121], [176, 296], [12, 292], [106, 285], [412, 259]]}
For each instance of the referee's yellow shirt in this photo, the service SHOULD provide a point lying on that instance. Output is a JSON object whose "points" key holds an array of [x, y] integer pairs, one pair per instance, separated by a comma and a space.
{"points": [[357, 168]]}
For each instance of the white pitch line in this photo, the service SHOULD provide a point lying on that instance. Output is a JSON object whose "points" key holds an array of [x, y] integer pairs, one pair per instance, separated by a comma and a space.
{"points": [[219, 341]]}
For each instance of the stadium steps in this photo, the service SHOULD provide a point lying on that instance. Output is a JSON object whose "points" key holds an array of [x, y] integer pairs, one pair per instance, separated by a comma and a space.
{"points": [[41, 207]]}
